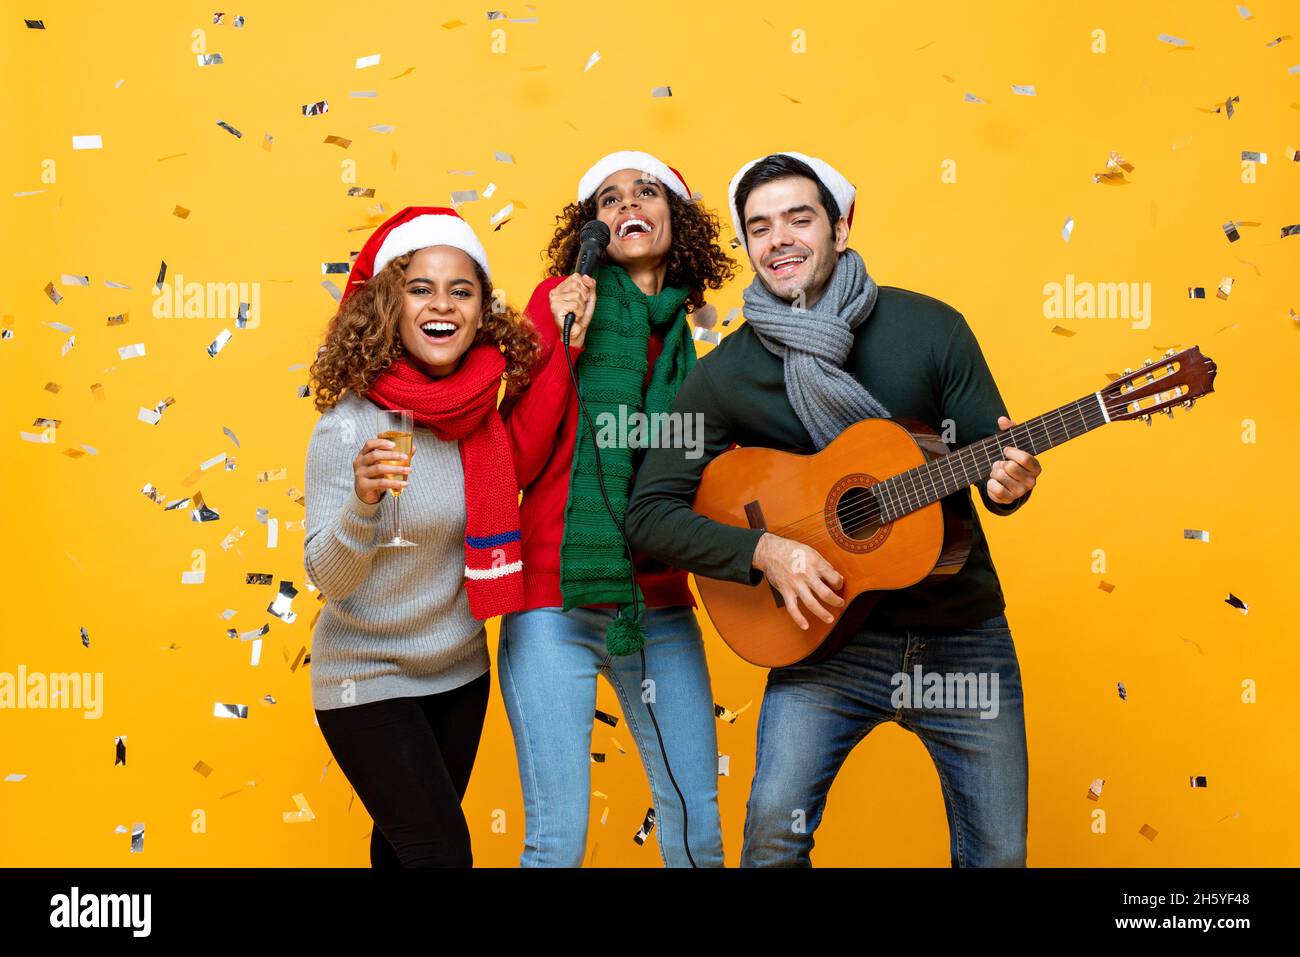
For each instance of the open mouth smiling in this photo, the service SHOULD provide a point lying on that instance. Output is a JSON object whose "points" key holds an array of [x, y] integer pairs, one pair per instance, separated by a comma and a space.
{"points": [[786, 265], [634, 227], [437, 330]]}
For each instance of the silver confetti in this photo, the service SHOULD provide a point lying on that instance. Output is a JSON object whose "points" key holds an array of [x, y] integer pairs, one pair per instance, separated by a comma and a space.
{"points": [[219, 343], [1174, 41], [229, 129], [316, 109], [210, 59], [662, 91], [133, 351], [1024, 90], [280, 606], [1196, 534], [220, 710]]}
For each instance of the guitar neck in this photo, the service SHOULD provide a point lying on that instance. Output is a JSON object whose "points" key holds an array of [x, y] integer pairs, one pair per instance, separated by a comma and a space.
{"points": [[916, 488]]}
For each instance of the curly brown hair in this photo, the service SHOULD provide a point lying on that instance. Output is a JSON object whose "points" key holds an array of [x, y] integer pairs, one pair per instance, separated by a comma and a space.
{"points": [[695, 260], [362, 338]]}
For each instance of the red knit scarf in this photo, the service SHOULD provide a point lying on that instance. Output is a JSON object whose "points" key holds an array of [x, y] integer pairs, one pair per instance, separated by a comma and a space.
{"points": [[463, 406]]}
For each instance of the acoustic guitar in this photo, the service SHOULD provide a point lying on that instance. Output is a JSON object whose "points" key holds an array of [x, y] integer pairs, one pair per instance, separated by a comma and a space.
{"points": [[877, 504]]}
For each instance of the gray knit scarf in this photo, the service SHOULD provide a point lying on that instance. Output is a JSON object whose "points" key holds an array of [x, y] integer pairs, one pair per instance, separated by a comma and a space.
{"points": [[814, 344]]}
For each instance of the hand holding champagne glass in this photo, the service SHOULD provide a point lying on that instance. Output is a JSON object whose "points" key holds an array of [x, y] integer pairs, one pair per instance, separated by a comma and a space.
{"points": [[383, 464]]}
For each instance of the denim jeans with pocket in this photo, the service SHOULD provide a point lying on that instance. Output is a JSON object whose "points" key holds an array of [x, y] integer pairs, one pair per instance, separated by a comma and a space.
{"points": [[813, 715]]}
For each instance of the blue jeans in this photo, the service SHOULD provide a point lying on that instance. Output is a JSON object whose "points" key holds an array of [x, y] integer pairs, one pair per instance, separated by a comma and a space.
{"points": [[548, 661], [813, 715]]}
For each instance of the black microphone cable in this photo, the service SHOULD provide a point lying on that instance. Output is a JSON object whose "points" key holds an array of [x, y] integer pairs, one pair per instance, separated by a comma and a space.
{"points": [[588, 235]]}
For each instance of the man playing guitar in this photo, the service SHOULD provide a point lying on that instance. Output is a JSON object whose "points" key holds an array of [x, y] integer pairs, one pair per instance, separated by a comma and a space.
{"points": [[822, 348]]}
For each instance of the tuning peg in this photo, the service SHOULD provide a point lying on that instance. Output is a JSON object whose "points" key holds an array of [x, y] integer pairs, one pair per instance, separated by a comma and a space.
{"points": [[1145, 363], [1170, 353], [1188, 403], [1128, 371], [1147, 418], [1170, 411]]}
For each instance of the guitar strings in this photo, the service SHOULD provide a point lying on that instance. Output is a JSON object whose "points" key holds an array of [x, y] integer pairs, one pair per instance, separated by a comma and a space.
{"points": [[1035, 429]]}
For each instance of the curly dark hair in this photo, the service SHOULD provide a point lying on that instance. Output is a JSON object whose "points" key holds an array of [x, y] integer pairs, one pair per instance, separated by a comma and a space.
{"points": [[695, 260], [362, 338]]}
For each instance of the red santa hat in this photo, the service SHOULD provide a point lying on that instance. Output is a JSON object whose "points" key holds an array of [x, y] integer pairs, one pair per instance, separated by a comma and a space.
{"points": [[415, 227], [631, 159], [830, 177]]}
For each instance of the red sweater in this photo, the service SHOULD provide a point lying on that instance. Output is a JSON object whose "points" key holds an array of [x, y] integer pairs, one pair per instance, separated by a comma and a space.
{"points": [[542, 423]]}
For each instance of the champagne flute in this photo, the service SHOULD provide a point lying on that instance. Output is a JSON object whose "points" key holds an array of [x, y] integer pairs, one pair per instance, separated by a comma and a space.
{"points": [[398, 427]]}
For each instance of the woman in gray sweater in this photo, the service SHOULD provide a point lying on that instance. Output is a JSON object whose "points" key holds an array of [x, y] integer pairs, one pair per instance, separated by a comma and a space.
{"points": [[400, 671]]}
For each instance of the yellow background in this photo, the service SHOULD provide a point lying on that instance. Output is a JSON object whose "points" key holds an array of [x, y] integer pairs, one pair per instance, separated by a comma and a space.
{"points": [[879, 93]]}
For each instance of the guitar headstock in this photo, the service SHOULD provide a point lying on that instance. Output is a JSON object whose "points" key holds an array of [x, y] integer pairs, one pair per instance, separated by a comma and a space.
{"points": [[1178, 378]]}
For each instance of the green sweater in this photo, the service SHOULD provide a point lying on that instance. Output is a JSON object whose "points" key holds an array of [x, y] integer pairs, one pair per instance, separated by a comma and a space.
{"points": [[918, 357]]}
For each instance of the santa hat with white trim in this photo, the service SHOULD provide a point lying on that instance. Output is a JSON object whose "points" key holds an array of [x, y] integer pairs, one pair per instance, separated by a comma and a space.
{"points": [[829, 176], [415, 227], [631, 159]]}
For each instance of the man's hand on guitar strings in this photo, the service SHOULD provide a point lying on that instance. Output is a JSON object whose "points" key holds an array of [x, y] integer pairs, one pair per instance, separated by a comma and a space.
{"points": [[800, 574], [1014, 476]]}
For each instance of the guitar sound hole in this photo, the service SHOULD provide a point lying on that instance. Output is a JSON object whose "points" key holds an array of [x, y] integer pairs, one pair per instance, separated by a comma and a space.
{"points": [[858, 513]]}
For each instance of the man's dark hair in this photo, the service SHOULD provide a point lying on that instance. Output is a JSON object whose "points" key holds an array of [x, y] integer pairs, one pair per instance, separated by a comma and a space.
{"points": [[779, 166]]}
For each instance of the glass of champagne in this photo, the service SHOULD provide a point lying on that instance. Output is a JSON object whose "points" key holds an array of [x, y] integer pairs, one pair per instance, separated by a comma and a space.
{"points": [[398, 427]]}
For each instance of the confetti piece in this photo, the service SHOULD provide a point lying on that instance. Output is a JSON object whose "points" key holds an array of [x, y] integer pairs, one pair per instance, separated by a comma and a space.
{"points": [[647, 825], [272, 475], [55, 296], [280, 605], [1062, 331], [303, 814], [1094, 789], [1196, 535], [1236, 603], [1024, 90], [91, 141], [609, 719], [365, 61], [201, 512], [1230, 230], [215, 460], [333, 290], [1123, 692], [1107, 587], [592, 61], [662, 91], [453, 24], [15, 778], [724, 765], [134, 351], [230, 129], [203, 768], [137, 838], [1174, 41], [1068, 228], [732, 314], [598, 757], [363, 94], [723, 714], [489, 190], [1147, 831], [69, 279], [118, 320], [1116, 167], [119, 751], [257, 578], [1250, 156], [219, 343], [338, 141], [85, 637], [192, 578], [1293, 230], [319, 108], [382, 128], [1225, 288], [1195, 292], [1199, 781], [234, 438], [711, 336], [1243, 12], [210, 59], [33, 25], [1228, 106], [367, 192], [459, 196], [972, 98], [498, 219], [67, 346], [220, 710], [304, 391]]}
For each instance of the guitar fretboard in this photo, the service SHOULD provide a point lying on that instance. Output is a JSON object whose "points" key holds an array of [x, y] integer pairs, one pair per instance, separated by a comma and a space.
{"points": [[919, 487]]}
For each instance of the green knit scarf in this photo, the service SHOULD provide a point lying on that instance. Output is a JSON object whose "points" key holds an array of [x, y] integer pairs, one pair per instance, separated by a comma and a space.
{"points": [[611, 369]]}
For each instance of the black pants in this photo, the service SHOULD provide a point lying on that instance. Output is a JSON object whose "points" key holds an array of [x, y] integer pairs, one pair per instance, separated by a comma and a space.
{"points": [[409, 760]]}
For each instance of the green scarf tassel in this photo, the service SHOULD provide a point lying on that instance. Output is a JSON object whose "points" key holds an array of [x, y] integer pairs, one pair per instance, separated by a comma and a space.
{"points": [[626, 633]]}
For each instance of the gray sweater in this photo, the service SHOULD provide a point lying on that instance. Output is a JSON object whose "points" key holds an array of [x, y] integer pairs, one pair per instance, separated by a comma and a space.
{"points": [[396, 621]]}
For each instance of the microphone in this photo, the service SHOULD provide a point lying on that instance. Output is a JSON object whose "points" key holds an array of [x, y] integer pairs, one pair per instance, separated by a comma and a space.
{"points": [[593, 238]]}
